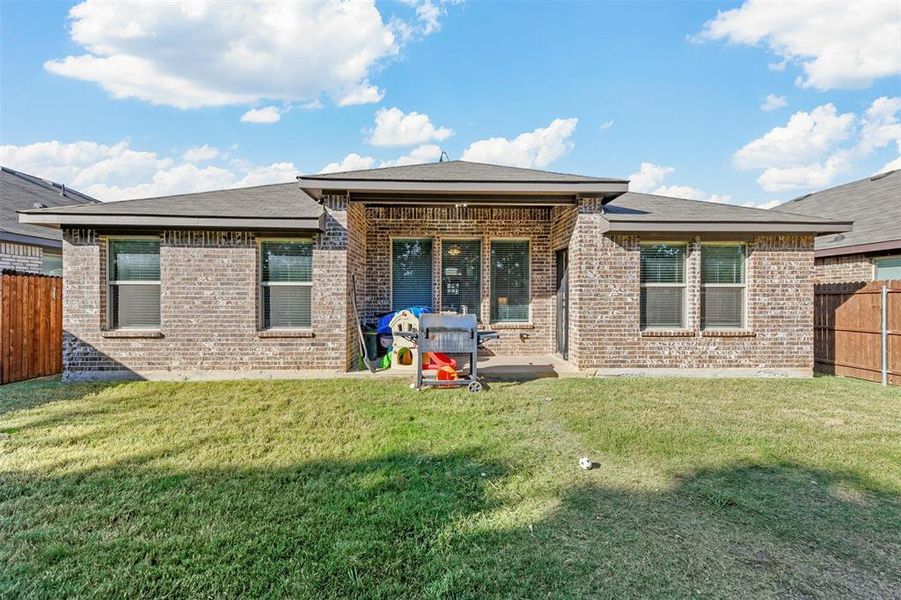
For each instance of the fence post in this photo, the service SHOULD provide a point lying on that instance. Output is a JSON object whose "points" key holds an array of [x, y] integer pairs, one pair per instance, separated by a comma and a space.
{"points": [[884, 335]]}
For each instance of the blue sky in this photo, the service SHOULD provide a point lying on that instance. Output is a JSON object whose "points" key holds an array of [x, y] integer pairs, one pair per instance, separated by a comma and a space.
{"points": [[151, 102]]}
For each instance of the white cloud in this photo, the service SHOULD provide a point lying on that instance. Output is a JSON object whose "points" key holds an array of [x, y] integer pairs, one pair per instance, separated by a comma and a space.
{"points": [[813, 148], [805, 136], [421, 154], [267, 115], [393, 127], [118, 172], [534, 149], [773, 102], [200, 154], [892, 165], [351, 162], [764, 205], [837, 44], [364, 93], [206, 53], [606, 125], [649, 179]]}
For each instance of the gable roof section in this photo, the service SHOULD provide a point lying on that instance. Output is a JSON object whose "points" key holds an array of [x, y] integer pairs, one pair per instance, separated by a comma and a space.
{"points": [[278, 206], [635, 212], [873, 203], [20, 191], [461, 177]]}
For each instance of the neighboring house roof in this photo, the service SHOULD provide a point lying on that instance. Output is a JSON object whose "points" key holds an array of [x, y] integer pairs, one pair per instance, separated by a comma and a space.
{"points": [[461, 177], [277, 206], [20, 191], [873, 203], [647, 212]]}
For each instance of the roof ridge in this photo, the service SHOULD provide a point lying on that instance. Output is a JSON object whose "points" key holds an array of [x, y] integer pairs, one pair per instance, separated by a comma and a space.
{"points": [[708, 202]]}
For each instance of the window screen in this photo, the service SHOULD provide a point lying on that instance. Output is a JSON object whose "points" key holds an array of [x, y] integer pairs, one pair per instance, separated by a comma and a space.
{"points": [[722, 286], [411, 273], [509, 281], [888, 268], [461, 280], [134, 283], [286, 284], [662, 278]]}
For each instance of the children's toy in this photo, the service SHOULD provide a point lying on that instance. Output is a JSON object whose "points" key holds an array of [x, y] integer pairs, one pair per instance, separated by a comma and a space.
{"points": [[403, 350]]}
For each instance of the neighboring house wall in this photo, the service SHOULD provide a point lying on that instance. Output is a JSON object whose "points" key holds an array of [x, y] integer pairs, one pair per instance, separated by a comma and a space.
{"points": [[21, 257], [851, 268], [841, 269], [209, 309]]}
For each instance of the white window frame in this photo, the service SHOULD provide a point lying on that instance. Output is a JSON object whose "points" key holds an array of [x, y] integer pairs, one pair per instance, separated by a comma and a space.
{"points": [[412, 238], [110, 282], [683, 285], [261, 316], [477, 310], [744, 286], [528, 319]]}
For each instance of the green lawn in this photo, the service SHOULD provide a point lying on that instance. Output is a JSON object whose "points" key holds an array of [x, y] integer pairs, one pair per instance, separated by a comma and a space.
{"points": [[364, 488]]}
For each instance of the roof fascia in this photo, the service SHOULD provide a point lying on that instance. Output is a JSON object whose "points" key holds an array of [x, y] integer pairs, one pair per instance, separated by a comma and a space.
{"points": [[55, 220]]}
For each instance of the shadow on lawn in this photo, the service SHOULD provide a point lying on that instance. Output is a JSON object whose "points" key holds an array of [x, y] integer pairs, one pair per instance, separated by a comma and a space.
{"points": [[433, 525]]}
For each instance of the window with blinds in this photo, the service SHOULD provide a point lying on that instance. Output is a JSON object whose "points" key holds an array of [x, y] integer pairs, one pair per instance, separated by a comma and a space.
{"points": [[509, 281], [133, 298], [662, 280], [411, 273], [461, 275], [286, 284], [722, 286]]}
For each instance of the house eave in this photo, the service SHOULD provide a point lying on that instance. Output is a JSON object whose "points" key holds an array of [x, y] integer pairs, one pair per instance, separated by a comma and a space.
{"points": [[858, 249], [162, 222], [726, 227], [29, 240]]}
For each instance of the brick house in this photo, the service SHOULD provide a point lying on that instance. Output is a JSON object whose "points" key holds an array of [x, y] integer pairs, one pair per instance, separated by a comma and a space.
{"points": [[872, 251], [257, 281], [32, 248]]}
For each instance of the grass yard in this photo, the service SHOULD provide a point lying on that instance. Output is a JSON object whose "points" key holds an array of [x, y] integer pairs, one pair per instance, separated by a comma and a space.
{"points": [[356, 488]]}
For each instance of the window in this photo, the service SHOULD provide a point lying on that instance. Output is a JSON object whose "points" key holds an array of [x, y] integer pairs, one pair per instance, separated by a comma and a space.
{"points": [[134, 284], [722, 286], [509, 281], [887, 268], [52, 262], [286, 284], [461, 269], [662, 281], [411, 273]]}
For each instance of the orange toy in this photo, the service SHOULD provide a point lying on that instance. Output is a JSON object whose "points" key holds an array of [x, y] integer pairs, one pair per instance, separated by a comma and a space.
{"points": [[432, 361], [447, 373]]}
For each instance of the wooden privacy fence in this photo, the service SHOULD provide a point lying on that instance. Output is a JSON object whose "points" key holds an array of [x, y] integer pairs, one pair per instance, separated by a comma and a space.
{"points": [[849, 335], [31, 326]]}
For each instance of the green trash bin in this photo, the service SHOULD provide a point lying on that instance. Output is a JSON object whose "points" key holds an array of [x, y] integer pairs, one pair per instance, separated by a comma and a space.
{"points": [[371, 339]]}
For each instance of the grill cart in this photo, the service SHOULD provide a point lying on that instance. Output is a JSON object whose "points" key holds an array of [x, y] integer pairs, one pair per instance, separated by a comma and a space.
{"points": [[449, 334]]}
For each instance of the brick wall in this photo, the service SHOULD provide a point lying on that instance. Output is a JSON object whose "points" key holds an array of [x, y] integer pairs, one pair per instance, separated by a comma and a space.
{"points": [[485, 223], [209, 309], [841, 269], [604, 311], [21, 257]]}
